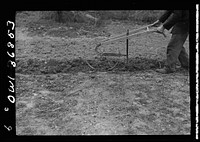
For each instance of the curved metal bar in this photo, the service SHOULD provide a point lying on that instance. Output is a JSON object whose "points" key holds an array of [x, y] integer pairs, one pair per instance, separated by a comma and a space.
{"points": [[89, 65], [96, 49], [111, 68], [108, 54]]}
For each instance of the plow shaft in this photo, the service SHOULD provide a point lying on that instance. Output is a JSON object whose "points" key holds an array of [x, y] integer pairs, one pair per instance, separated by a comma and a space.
{"points": [[129, 36], [130, 32]]}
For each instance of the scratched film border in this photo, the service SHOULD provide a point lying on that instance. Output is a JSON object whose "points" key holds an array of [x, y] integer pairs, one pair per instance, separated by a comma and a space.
{"points": [[197, 71], [9, 76]]}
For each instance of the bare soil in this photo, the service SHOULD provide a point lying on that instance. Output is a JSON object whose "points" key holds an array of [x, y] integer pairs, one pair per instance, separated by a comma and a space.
{"points": [[58, 94]]}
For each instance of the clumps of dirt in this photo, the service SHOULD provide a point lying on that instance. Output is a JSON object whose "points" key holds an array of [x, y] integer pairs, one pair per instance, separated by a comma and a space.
{"points": [[47, 108], [63, 32], [52, 66], [38, 66]]}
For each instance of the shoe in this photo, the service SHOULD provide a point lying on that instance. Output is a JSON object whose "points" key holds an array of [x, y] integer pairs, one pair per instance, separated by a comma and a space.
{"points": [[165, 70], [185, 67]]}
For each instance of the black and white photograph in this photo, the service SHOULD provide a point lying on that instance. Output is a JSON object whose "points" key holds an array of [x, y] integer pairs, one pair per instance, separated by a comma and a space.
{"points": [[102, 72]]}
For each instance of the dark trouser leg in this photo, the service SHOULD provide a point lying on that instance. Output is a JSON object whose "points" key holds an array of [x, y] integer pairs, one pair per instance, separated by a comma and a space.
{"points": [[183, 58], [175, 50]]}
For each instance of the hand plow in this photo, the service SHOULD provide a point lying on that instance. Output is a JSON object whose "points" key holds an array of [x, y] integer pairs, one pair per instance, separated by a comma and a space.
{"points": [[125, 36]]}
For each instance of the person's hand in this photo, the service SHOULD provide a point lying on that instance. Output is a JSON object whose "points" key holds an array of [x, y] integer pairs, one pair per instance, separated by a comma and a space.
{"points": [[161, 30]]}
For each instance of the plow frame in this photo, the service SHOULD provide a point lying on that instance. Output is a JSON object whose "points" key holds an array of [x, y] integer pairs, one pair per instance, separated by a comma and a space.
{"points": [[129, 34]]}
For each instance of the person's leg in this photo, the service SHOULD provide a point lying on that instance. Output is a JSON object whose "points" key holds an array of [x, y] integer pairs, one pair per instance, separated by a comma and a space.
{"points": [[174, 49], [184, 59]]}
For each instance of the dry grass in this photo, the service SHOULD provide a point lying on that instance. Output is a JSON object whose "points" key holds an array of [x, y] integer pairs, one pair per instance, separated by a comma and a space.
{"points": [[80, 16]]}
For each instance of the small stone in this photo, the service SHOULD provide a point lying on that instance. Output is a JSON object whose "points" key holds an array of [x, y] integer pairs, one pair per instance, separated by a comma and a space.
{"points": [[92, 77], [35, 94]]}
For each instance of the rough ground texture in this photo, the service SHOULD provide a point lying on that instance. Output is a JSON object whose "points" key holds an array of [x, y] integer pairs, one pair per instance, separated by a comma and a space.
{"points": [[58, 94]]}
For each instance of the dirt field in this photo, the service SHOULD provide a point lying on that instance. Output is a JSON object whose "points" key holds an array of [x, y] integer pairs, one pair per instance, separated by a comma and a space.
{"points": [[58, 94]]}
